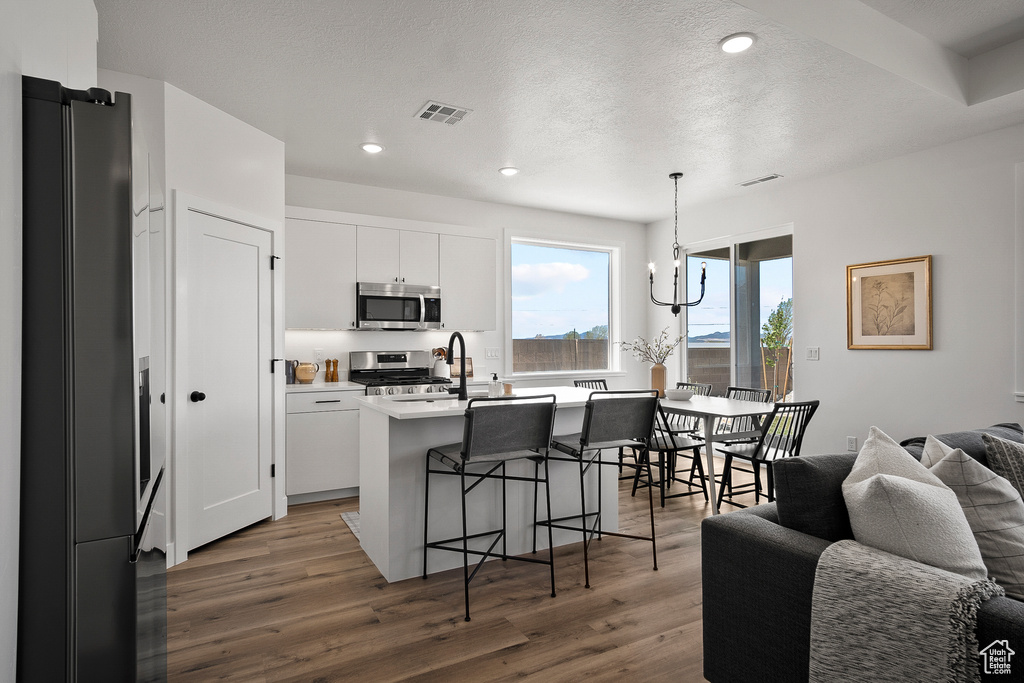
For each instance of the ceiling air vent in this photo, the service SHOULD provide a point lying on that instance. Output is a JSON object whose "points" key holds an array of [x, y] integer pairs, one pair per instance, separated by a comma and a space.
{"points": [[442, 113], [762, 179]]}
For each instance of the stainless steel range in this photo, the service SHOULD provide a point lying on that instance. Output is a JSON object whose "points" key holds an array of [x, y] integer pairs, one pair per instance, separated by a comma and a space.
{"points": [[395, 372]]}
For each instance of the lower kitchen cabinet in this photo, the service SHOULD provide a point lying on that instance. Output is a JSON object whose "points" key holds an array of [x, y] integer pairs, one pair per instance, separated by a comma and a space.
{"points": [[322, 441]]}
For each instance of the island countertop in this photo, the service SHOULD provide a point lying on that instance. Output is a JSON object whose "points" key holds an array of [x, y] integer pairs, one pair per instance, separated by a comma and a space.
{"points": [[414, 406], [394, 435]]}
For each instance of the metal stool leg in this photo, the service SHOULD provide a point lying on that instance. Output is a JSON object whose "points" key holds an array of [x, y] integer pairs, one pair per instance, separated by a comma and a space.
{"points": [[465, 542], [426, 513]]}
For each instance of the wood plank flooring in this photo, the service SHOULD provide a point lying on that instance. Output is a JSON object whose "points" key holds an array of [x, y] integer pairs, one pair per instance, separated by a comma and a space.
{"points": [[297, 600]]}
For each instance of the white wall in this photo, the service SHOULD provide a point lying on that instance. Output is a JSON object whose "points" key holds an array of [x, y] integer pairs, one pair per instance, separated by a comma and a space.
{"points": [[472, 218], [55, 39], [955, 202]]}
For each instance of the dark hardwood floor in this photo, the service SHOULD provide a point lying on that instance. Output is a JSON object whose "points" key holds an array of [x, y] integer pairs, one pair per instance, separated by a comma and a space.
{"points": [[297, 600]]}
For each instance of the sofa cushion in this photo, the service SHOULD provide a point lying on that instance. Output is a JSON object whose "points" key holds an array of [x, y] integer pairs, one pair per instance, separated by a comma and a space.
{"points": [[994, 511], [1006, 458], [970, 441], [809, 494], [897, 505]]}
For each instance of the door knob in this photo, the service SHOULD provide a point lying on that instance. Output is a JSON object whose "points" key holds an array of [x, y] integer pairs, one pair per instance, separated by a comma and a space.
{"points": [[197, 396]]}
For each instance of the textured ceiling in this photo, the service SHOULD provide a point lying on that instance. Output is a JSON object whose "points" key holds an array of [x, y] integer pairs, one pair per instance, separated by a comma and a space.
{"points": [[596, 101]]}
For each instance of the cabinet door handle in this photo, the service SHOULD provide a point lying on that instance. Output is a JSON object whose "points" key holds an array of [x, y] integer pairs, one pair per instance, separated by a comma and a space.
{"points": [[337, 400]]}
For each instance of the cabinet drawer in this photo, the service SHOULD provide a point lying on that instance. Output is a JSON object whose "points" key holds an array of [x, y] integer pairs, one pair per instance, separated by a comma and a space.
{"points": [[322, 401]]}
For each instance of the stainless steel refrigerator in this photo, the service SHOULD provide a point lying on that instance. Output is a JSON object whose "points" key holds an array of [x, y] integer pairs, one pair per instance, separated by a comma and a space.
{"points": [[92, 592]]}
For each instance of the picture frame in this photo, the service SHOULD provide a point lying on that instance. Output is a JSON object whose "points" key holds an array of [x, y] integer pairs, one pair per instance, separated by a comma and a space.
{"points": [[889, 304]]}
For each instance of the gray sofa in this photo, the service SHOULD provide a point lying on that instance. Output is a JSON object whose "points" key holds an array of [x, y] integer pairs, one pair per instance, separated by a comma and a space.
{"points": [[758, 568]]}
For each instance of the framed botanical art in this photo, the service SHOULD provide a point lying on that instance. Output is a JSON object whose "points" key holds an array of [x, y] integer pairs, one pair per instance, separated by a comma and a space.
{"points": [[889, 304]]}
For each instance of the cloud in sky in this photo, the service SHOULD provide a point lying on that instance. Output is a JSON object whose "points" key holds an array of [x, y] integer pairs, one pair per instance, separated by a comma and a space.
{"points": [[537, 279]]}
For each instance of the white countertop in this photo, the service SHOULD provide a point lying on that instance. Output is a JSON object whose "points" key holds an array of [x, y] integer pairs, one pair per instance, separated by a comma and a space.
{"points": [[398, 408], [323, 386]]}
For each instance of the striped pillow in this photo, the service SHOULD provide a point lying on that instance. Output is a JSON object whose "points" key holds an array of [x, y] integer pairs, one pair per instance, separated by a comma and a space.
{"points": [[994, 511], [1006, 458]]}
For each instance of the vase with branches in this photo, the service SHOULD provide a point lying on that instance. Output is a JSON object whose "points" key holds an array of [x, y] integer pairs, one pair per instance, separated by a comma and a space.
{"points": [[655, 351]]}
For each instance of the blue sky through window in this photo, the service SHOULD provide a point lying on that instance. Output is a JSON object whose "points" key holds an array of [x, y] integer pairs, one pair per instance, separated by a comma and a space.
{"points": [[557, 290], [713, 313]]}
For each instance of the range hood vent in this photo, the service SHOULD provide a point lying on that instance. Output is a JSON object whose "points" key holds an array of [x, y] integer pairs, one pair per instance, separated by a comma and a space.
{"points": [[762, 179], [442, 113]]}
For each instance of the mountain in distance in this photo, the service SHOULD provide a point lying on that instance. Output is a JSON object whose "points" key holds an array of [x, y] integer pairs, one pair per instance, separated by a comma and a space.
{"points": [[709, 338]]}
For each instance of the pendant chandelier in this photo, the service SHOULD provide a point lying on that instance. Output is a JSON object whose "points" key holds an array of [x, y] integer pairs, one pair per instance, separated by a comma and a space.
{"points": [[675, 304]]}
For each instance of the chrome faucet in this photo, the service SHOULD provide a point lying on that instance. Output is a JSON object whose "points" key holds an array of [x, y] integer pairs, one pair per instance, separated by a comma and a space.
{"points": [[463, 396]]}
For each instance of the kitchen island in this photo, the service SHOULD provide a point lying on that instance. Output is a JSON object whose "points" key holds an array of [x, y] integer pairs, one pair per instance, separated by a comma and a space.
{"points": [[394, 435]]}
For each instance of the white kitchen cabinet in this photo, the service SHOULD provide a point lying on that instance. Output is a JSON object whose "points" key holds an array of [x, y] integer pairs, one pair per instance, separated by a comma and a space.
{"points": [[320, 289], [389, 255], [468, 272], [322, 441]]}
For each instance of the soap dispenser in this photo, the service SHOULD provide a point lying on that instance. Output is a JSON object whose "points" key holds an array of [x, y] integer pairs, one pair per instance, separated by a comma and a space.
{"points": [[494, 386]]}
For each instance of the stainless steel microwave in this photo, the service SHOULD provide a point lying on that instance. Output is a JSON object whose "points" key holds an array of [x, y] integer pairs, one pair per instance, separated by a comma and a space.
{"points": [[387, 306]]}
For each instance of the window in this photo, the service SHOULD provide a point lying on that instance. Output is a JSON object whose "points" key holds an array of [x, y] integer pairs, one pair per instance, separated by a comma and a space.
{"points": [[741, 334], [561, 306]]}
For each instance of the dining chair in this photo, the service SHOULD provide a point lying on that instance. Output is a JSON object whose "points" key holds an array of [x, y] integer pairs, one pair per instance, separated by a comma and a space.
{"points": [[665, 448], [611, 419], [782, 436], [496, 431]]}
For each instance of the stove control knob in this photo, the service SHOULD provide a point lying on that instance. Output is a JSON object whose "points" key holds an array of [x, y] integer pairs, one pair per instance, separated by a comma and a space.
{"points": [[378, 391], [394, 390], [409, 390]]}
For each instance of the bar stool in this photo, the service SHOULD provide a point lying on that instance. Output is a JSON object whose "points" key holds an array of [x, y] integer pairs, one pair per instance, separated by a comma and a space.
{"points": [[496, 431], [602, 385], [611, 419]]}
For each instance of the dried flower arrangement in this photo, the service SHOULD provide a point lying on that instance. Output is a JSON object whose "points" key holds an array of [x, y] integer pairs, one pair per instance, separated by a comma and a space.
{"points": [[656, 351]]}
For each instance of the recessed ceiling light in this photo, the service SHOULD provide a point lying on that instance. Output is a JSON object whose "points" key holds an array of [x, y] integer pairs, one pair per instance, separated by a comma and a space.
{"points": [[737, 42], [508, 170], [372, 147]]}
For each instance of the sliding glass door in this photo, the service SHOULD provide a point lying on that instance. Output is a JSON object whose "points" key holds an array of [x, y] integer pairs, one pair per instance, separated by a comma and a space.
{"points": [[741, 334]]}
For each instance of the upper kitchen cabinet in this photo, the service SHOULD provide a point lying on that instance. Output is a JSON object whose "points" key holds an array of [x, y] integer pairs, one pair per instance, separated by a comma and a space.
{"points": [[320, 292], [389, 255], [468, 285]]}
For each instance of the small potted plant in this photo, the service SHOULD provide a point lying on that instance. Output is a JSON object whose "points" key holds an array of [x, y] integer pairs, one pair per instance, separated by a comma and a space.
{"points": [[657, 352]]}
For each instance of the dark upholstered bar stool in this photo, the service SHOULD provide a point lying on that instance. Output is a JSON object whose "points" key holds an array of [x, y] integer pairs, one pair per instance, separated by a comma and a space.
{"points": [[496, 431], [602, 385], [611, 419]]}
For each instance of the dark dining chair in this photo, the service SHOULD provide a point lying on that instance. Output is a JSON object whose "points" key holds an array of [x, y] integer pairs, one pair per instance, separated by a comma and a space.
{"points": [[665, 448], [782, 435]]}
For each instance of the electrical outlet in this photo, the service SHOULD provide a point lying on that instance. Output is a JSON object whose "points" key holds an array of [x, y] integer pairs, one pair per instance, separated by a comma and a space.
{"points": [[851, 444], [492, 353], [813, 352], [318, 355]]}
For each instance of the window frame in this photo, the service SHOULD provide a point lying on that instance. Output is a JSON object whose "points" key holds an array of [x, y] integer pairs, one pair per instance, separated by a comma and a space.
{"points": [[614, 251]]}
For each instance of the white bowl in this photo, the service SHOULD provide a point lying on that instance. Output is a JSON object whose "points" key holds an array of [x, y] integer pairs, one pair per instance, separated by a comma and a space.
{"points": [[678, 394]]}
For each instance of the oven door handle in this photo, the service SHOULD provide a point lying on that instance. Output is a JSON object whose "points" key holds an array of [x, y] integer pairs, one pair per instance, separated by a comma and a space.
{"points": [[423, 310]]}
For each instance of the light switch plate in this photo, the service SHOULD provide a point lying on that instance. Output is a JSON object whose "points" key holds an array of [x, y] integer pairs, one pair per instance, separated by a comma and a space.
{"points": [[492, 353], [813, 352]]}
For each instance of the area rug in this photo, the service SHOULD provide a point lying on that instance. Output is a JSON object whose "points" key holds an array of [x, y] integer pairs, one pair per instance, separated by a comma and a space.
{"points": [[352, 519]]}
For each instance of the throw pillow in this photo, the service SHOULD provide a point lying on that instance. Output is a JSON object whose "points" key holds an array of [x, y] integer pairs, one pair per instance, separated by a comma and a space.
{"points": [[897, 505], [994, 511], [809, 494], [1006, 458], [934, 451]]}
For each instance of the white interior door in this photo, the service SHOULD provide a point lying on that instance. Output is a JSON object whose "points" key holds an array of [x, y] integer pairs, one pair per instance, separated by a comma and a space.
{"points": [[229, 397]]}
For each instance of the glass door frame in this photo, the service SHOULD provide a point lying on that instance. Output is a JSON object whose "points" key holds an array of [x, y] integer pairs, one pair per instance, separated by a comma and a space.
{"points": [[731, 242]]}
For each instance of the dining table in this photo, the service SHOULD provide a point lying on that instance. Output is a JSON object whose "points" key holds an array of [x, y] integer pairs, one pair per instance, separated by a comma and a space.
{"points": [[711, 409]]}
